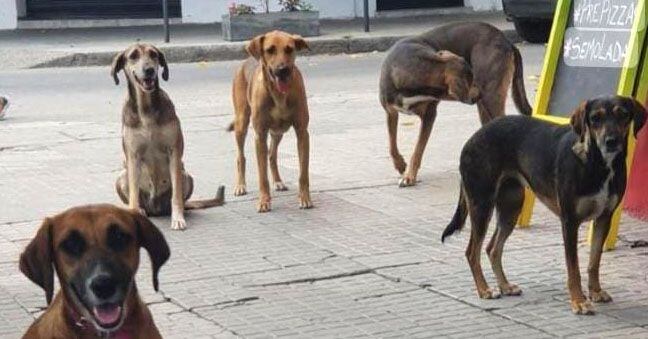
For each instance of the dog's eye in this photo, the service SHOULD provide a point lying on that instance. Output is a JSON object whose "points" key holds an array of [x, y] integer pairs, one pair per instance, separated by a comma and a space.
{"points": [[288, 50], [134, 55], [271, 50], [153, 54], [117, 239], [74, 244]]}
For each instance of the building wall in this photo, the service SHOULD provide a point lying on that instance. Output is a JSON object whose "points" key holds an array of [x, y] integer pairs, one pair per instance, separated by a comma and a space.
{"points": [[205, 11], [8, 14], [208, 11]]}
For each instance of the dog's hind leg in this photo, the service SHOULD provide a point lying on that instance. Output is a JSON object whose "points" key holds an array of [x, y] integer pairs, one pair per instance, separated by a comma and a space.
{"points": [[427, 121], [392, 127], [481, 210], [493, 76], [274, 169], [510, 197], [601, 230]]}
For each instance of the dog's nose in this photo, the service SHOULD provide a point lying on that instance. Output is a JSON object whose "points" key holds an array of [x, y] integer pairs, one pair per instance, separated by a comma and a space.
{"points": [[282, 72], [149, 72], [611, 142], [103, 286]]}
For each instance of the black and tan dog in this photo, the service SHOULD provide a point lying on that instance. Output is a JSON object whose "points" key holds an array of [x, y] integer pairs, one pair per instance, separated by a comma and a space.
{"points": [[468, 62], [95, 251], [578, 171], [154, 180], [268, 90]]}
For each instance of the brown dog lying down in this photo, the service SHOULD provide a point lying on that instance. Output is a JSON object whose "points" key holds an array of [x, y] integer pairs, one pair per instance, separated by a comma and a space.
{"points": [[154, 180], [269, 89], [468, 62], [95, 252]]}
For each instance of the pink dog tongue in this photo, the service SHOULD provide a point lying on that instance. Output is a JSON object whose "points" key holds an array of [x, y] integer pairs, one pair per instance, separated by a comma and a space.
{"points": [[107, 315], [282, 86]]}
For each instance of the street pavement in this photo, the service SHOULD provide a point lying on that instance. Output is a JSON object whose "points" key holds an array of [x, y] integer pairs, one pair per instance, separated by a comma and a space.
{"points": [[367, 261]]}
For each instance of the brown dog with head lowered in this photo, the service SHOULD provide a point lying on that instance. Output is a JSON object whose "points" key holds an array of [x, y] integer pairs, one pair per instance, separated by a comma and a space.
{"points": [[269, 90], [469, 62], [154, 180], [95, 253]]}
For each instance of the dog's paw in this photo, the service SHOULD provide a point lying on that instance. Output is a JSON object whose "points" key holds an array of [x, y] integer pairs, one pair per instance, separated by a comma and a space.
{"points": [[239, 190], [582, 307], [178, 224], [305, 202], [600, 296], [510, 289], [264, 205], [488, 293], [280, 186], [407, 181]]}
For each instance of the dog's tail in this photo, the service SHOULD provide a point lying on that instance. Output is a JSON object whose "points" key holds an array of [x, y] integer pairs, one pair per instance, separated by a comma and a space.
{"points": [[230, 127], [518, 91], [459, 218], [207, 203]]}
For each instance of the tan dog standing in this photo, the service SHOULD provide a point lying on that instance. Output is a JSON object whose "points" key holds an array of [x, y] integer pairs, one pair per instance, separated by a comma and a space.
{"points": [[268, 89], [154, 180], [95, 253]]}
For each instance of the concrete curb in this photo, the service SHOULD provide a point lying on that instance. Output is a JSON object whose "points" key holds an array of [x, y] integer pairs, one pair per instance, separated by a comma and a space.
{"points": [[236, 51]]}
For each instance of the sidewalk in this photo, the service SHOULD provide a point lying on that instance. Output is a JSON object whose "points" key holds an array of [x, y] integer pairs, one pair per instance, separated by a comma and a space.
{"points": [[193, 43]]}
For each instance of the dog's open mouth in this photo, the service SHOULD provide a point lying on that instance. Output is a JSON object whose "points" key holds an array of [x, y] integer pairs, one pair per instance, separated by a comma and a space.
{"points": [[282, 85], [148, 83], [107, 315]]}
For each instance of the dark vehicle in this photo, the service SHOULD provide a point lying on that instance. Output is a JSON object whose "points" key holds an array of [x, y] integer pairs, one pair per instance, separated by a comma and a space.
{"points": [[532, 18]]}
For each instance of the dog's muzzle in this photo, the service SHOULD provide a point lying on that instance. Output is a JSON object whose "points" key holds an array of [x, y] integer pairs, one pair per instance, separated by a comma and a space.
{"points": [[281, 77], [612, 144], [101, 287]]}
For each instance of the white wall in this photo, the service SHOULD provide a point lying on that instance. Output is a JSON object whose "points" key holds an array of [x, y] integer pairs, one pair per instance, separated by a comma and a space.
{"points": [[8, 14], [484, 5], [202, 11]]}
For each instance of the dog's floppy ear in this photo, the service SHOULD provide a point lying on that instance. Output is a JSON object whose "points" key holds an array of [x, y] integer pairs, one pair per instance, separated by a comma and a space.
{"points": [[36, 262], [150, 237], [639, 117], [578, 122], [163, 63], [300, 43], [578, 118], [117, 65], [255, 47]]}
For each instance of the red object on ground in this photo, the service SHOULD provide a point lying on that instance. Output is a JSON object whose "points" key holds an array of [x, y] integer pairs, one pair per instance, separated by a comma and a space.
{"points": [[636, 197]]}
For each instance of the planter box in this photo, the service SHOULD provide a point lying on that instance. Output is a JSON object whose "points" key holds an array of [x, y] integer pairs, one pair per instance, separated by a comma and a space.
{"points": [[247, 26]]}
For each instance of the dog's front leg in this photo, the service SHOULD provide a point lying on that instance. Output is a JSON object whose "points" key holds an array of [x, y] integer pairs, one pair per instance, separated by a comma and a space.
{"points": [[133, 164], [601, 230], [579, 304], [427, 121], [261, 139], [177, 196], [303, 150]]}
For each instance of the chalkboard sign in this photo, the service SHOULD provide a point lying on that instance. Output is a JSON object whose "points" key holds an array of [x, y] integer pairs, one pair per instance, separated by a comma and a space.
{"points": [[590, 48]]}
